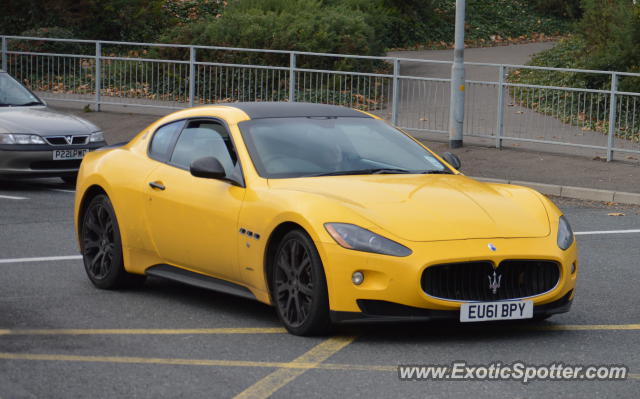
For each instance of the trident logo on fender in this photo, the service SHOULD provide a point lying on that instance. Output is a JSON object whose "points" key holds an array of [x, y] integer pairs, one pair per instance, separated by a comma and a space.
{"points": [[494, 282]]}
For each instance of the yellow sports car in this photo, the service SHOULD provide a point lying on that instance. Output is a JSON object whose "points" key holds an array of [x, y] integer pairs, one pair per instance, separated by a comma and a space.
{"points": [[327, 213]]}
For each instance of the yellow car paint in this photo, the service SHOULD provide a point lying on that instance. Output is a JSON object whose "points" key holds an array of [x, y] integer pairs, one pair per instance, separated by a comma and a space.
{"points": [[194, 224]]}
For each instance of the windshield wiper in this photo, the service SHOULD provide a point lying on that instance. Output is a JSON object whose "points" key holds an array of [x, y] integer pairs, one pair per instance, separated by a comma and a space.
{"points": [[28, 104], [377, 171], [436, 172]]}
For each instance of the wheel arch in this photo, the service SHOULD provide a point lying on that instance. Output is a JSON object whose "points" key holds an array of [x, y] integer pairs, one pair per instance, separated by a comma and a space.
{"points": [[272, 245], [89, 194]]}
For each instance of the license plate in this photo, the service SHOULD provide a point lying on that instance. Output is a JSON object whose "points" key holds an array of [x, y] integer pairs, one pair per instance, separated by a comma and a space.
{"points": [[488, 311], [62, 155]]}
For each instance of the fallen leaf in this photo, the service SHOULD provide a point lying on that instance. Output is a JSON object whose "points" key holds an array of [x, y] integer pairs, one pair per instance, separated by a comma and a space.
{"points": [[632, 157], [424, 119], [615, 214]]}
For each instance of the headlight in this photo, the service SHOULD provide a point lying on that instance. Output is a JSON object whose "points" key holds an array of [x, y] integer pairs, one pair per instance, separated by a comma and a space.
{"points": [[95, 137], [353, 237], [565, 234], [20, 139]]}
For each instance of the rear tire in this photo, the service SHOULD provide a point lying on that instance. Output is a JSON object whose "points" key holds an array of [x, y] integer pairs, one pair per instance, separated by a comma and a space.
{"points": [[298, 286], [102, 247]]}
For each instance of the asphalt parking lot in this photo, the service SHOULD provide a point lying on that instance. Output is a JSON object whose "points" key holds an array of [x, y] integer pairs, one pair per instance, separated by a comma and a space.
{"points": [[60, 337]]}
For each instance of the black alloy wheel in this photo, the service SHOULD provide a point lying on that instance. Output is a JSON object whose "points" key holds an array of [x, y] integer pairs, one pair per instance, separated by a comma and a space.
{"points": [[102, 247], [299, 288]]}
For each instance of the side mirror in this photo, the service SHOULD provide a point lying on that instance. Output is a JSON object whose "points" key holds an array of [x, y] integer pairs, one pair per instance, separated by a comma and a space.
{"points": [[452, 159], [208, 168]]}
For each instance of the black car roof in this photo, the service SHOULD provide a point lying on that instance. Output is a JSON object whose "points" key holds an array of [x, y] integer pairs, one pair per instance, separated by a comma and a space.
{"points": [[261, 110]]}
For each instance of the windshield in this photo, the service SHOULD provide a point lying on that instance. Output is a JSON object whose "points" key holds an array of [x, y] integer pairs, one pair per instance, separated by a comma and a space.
{"points": [[14, 94], [298, 147]]}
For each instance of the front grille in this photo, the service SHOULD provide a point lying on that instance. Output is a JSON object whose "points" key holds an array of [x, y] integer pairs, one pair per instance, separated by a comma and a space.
{"points": [[67, 164], [62, 140], [470, 281]]}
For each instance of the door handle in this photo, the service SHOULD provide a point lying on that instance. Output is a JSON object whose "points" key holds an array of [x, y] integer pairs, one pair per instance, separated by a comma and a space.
{"points": [[156, 185]]}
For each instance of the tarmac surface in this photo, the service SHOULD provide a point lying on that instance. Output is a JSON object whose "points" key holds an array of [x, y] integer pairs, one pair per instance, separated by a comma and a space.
{"points": [[60, 337]]}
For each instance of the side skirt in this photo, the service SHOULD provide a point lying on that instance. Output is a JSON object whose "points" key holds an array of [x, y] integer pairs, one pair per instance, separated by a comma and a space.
{"points": [[199, 280]]}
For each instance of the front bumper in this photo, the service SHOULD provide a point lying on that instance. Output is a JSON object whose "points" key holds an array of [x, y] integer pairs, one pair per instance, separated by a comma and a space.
{"points": [[392, 285], [37, 160], [382, 311]]}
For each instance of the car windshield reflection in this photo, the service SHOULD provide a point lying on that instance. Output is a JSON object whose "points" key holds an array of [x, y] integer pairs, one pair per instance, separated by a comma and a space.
{"points": [[13, 94], [311, 147]]}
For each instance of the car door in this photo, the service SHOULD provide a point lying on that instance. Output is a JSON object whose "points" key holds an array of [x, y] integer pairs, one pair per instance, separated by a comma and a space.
{"points": [[193, 221]]}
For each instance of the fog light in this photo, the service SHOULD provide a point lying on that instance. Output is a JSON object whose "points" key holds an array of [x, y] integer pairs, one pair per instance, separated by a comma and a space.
{"points": [[357, 278]]}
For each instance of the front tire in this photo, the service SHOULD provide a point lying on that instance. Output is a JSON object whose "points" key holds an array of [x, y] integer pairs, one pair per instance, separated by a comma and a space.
{"points": [[102, 247], [298, 285]]}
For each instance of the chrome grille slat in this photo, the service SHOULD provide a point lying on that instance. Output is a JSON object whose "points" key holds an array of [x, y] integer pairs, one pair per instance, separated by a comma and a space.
{"points": [[468, 281], [62, 140]]}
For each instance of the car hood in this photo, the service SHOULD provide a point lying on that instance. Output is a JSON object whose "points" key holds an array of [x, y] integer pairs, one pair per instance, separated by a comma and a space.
{"points": [[42, 121], [433, 207]]}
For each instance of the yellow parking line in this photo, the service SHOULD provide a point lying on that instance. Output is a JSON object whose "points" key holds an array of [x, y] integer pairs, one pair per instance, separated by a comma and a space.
{"points": [[272, 330], [142, 360], [301, 366], [281, 377], [145, 331]]}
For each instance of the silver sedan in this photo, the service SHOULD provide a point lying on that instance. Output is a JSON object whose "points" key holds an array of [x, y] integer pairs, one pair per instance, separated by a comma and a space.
{"points": [[36, 141]]}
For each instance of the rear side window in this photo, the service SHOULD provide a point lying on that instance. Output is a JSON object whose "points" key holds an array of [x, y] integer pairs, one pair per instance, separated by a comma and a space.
{"points": [[163, 139]]}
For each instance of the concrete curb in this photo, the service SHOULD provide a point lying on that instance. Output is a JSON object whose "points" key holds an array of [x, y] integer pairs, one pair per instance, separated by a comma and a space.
{"points": [[589, 194]]}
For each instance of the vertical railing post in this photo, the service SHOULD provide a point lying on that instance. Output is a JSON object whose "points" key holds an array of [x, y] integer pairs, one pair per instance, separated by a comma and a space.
{"points": [[613, 108], [292, 77], [192, 75], [395, 98], [4, 54], [98, 74], [500, 125]]}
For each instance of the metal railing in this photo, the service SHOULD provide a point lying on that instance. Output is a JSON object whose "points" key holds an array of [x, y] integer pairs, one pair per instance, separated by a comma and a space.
{"points": [[411, 93]]}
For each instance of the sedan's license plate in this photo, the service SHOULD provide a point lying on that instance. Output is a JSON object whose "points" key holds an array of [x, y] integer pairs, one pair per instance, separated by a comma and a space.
{"points": [[62, 155], [488, 311]]}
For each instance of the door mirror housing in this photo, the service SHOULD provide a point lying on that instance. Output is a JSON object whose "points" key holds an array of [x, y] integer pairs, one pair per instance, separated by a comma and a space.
{"points": [[208, 168], [452, 159]]}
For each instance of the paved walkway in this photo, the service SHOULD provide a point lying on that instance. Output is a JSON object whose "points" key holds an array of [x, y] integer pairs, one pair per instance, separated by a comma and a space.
{"points": [[424, 105]]}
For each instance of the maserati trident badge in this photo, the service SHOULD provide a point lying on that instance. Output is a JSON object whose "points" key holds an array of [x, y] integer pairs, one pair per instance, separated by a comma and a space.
{"points": [[494, 282]]}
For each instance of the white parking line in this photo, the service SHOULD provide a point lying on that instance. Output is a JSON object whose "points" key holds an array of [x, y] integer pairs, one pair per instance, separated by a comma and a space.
{"points": [[587, 233], [63, 190], [43, 259], [11, 197]]}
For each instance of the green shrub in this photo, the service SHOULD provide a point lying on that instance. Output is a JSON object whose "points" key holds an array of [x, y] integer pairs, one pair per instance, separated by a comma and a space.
{"points": [[305, 27], [185, 11], [137, 20], [48, 46], [561, 8], [397, 23], [506, 18]]}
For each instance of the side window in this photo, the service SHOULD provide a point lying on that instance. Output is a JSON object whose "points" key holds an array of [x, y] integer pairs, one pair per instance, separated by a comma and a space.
{"points": [[162, 140], [204, 139]]}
